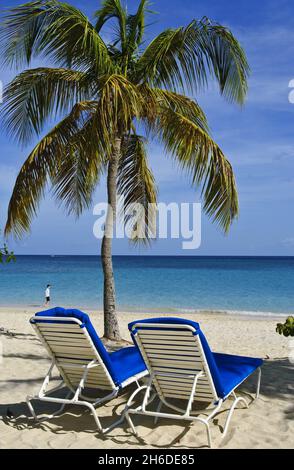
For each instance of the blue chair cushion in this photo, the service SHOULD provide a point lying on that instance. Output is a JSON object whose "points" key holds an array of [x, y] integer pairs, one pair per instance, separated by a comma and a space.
{"points": [[234, 369], [127, 362], [224, 378], [113, 367]]}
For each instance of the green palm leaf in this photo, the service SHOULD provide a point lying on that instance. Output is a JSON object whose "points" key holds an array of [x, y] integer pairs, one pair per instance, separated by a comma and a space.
{"points": [[36, 94], [113, 9], [136, 27], [53, 29], [42, 163], [183, 57], [154, 100], [199, 155], [136, 184], [120, 103]]}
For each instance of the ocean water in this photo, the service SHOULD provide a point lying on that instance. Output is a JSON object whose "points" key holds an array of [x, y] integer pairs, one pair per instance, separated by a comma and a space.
{"points": [[146, 283]]}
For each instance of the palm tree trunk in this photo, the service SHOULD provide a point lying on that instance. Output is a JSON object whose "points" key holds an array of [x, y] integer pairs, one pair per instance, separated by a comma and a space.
{"points": [[111, 328]]}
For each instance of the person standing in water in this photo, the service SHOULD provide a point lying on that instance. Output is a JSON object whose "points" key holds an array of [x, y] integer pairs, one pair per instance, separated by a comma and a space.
{"points": [[47, 295]]}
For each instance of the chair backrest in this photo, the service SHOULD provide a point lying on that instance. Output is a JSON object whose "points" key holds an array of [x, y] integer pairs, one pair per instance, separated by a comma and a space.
{"points": [[68, 338], [174, 353]]}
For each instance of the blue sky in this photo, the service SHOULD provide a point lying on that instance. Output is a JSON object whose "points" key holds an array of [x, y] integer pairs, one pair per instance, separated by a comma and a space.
{"points": [[258, 139]]}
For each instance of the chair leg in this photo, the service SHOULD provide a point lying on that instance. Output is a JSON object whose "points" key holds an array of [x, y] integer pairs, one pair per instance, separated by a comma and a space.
{"points": [[236, 401], [31, 408], [131, 424], [43, 417], [158, 411], [208, 434], [93, 413]]}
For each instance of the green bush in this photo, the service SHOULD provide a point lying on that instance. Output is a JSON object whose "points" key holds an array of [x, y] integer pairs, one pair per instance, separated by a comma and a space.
{"points": [[6, 255], [287, 328]]}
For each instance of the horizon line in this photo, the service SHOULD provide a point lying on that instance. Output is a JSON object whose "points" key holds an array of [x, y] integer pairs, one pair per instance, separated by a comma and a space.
{"points": [[157, 256]]}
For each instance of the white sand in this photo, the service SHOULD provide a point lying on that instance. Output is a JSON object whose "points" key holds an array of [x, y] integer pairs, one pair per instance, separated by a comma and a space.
{"points": [[268, 423]]}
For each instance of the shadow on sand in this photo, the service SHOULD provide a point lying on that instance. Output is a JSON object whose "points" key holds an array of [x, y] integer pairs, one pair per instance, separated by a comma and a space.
{"points": [[277, 383]]}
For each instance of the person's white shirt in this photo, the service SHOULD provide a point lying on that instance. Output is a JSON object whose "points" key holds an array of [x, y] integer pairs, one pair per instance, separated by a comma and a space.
{"points": [[47, 292]]}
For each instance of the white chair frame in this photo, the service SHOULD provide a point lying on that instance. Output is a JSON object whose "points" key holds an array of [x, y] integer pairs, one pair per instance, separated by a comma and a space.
{"points": [[70, 370], [182, 413]]}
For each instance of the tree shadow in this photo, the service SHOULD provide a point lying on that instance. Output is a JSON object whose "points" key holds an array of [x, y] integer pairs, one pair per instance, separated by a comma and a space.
{"points": [[34, 357], [8, 384], [11, 334]]}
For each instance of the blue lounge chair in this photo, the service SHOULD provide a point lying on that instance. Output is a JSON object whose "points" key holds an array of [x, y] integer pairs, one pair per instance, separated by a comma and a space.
{"points": [[182, 366], [83, 362]]}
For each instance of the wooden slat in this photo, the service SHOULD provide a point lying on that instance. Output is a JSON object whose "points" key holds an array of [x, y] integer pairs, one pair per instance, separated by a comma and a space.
{"points": [[187, 396], [59, 340], [96, 382], [167, 338], [97, 377], [175, 380], [66, 338], [169, 342], [95, 386], [173, 394], [199, 390], [64, 355], [93, 381], [53, 334], [72, 372], [185, 385], [176, 371], [171, 347], [175, 388], [102, 377], [66, 344], [72, 350], [181, 364], [171, 356], [60, 326], [187, 393], [182, 377], [60, 346], [62, 362], [164, 332], [95, 371]]}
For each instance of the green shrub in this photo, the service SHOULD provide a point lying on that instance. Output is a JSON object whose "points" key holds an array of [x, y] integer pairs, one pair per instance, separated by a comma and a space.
{"points": [[287, 328]]}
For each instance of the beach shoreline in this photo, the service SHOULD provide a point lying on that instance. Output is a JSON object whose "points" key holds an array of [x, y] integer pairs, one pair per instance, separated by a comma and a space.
{"points": [[268, 423], [245, 314]]}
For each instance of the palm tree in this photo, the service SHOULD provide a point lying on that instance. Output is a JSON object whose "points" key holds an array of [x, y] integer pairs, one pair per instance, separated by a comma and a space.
{"points": [[104, 92]]}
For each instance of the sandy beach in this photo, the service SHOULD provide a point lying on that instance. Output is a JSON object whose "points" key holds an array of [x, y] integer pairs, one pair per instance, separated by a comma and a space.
{"points": [[268, 423]]}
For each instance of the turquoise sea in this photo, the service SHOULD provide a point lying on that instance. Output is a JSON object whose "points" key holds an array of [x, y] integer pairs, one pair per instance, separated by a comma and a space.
{"points": [[145, 283]]}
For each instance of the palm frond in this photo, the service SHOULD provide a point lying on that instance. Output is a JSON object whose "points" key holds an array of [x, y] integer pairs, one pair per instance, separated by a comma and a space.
{"points": [[225, 58], [53, 29], [120, 103], [156, 100], [135, 26], [183, 58], [36, 94], [42, 163], [113, 9], [84, 160], [20, 31], [137, 186], [200, 156]]}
